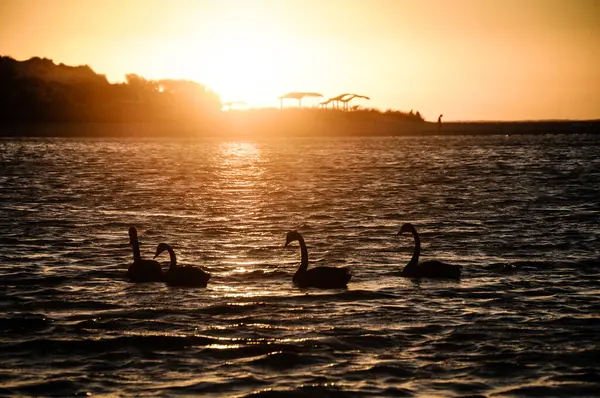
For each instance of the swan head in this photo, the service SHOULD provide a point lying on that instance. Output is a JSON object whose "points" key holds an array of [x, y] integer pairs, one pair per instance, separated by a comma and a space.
{"points": [[292, 236], [161, 248], [407, 227], [133, 235]]}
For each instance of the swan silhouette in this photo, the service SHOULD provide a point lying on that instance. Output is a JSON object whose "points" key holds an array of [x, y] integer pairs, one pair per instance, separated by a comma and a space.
{"points": [[142, 270], [320, 277], [181, 276], [426, 269]]}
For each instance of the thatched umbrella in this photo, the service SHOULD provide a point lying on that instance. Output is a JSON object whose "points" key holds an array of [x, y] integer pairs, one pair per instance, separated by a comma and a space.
{"points": [[298, 96]]}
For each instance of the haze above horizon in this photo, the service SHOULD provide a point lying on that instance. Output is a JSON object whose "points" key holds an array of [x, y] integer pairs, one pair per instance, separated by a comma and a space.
{"points": [[470, 60]]}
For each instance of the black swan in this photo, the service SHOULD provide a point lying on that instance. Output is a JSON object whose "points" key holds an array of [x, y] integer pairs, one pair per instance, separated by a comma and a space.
{"points": [[142, 270], [321, 277], [181, 276], [426, 269]]}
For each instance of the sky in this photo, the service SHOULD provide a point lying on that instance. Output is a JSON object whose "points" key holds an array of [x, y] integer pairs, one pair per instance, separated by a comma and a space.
{"points": [[466, 59]]}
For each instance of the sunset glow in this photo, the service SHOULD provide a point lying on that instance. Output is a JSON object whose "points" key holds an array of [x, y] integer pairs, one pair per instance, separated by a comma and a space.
{"points": [[237, 60], [502, 60]]}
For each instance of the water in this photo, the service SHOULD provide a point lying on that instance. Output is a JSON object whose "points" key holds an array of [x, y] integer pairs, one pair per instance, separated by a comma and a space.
{"points": [[71, 325]]}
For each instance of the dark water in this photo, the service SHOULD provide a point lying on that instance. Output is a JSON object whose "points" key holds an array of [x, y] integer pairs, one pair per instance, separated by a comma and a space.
{"points": [[70, 324]]}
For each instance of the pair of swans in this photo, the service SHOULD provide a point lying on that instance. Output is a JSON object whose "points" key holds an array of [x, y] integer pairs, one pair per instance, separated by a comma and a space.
{"points": [[333, 277], [151, 271]]}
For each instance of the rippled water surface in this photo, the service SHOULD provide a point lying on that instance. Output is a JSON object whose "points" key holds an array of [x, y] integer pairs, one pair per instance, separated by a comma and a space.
{"points": [[70, 324]]}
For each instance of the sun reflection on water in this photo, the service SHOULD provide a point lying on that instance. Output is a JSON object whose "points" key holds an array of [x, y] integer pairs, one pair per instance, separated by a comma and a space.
{"points": [[243, 178], [240, 170], [239, 152]]}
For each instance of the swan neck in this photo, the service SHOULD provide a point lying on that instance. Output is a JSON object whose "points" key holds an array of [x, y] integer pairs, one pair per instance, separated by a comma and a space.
{"points": [[173, 258], [136, 252], [304, 256], [414, 261]]}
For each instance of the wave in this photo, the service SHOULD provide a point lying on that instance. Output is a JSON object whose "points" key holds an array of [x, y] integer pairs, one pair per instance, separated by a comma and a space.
{"points": [[229, 385], [94, 346], [283, 360], [59, 387], [24, 323]]}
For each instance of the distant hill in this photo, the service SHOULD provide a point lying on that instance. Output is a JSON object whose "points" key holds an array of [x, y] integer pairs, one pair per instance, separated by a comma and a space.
{"points": [[37, 94], [39, 91], [46, 70]]}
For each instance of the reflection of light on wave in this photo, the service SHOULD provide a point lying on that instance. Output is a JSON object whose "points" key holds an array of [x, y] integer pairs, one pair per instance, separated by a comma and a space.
{"points": [[238, 164], [143, 214], [240, 151], [240, 180]]}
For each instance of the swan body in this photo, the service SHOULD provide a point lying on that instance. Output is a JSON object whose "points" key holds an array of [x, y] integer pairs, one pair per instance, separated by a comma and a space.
{"points": [[426, 269], [320, 277], [181, 276], [142, 270]]}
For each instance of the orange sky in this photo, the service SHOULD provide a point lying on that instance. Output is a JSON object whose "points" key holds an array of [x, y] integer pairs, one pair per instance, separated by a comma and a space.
{"points": [[467, 59]]}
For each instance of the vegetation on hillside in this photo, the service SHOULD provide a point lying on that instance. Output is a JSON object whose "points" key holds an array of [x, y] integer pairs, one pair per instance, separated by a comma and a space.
{"points": [[37, 90]]}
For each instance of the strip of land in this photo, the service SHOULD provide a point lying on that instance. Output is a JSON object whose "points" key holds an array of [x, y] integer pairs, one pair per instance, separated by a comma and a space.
{"points": [[41, 98]]}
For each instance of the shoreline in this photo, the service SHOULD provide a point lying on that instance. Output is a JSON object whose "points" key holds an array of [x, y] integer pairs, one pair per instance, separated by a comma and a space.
{"points": [[287, 128]]}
